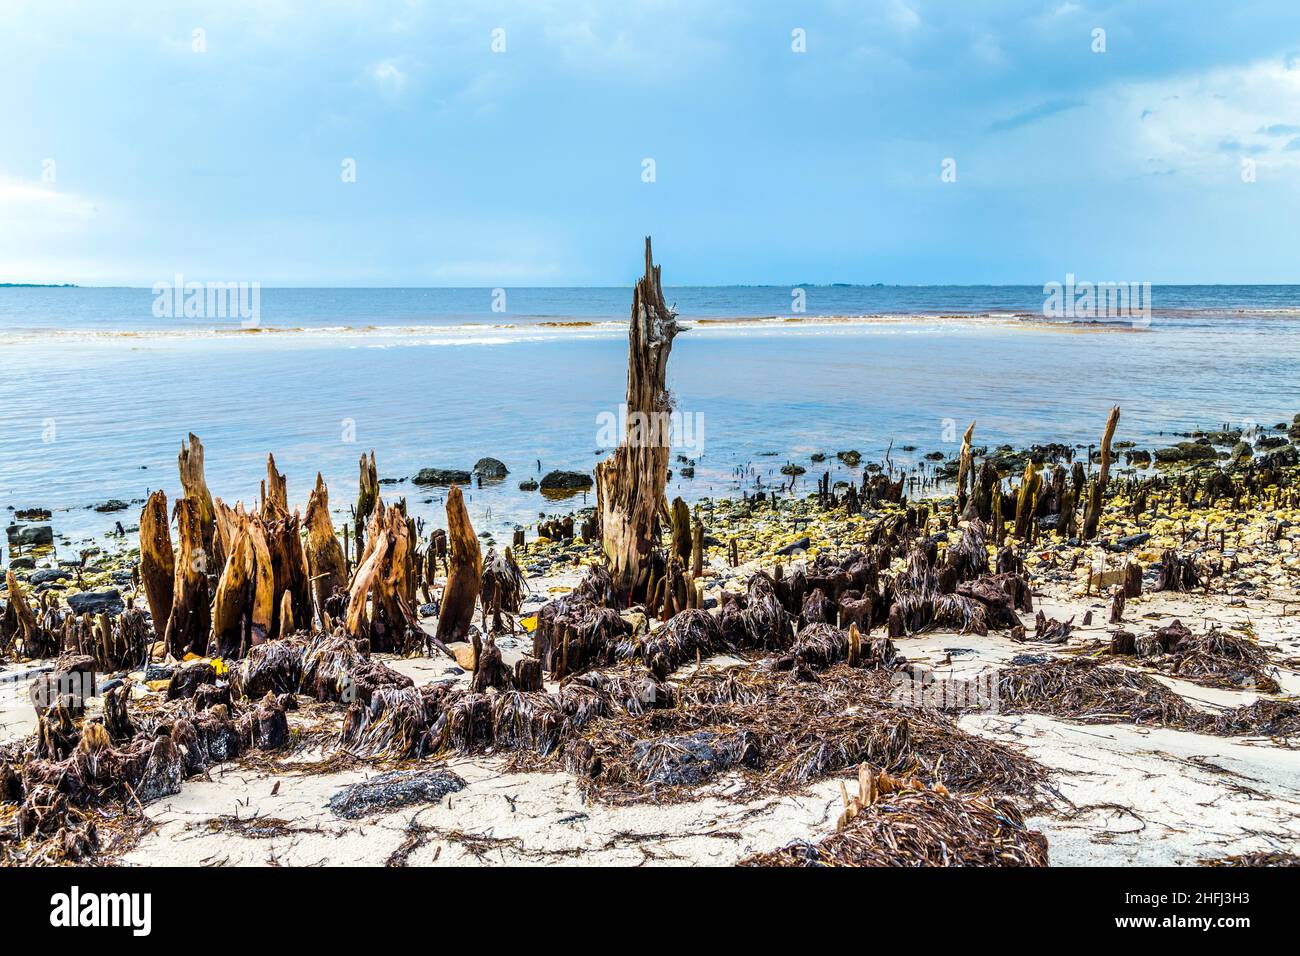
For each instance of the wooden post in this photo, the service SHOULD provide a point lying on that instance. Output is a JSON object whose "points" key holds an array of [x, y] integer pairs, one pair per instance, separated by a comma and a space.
{"points": [[325, 561], [964, 469], [1096, 498]]}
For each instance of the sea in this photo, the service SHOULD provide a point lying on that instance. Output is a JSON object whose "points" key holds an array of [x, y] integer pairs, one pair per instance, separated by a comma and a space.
{"points": [[99, 386]]}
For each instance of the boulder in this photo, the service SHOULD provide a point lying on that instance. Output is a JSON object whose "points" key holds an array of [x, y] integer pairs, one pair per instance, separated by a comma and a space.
{"points": [[490, 469], [566, 481], [442, 476], [109, 600], [31, 535]]}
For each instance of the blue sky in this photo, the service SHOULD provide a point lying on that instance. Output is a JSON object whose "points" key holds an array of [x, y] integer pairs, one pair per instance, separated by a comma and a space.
{"points": [[127, 156]]}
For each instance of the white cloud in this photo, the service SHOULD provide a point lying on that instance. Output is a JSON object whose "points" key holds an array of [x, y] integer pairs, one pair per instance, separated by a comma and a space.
{"points": [[388, 76]]}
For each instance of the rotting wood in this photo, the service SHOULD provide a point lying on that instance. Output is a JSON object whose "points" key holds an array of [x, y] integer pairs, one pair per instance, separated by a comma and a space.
{"points": [[1097, 495], [157, 561], [630, 484], [464, 578]]}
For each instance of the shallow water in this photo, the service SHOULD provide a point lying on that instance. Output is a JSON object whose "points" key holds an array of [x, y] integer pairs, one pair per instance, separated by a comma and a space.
{"points": [[97, 393]]}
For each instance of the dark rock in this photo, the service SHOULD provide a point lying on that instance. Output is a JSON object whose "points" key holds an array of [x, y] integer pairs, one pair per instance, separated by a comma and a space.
{"points": [[792, 469], [111, 505], [566, 481], [1186, 451], [850, 458], [389, 791], [22, 564], [45, 575], [441, 476], [97, 602], [801, 545], [528, 484], [490, 469], [163, 773], [35, 514], [32, 535], [154, 672]]}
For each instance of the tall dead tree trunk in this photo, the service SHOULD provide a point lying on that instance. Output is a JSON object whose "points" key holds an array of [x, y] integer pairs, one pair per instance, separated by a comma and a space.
{"points": [[157, 561], [1097, 495], [466, 574], [630, 484]]}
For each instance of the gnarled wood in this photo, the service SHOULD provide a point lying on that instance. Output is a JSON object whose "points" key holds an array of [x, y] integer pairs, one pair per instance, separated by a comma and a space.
{"points": [[190, 618], [964, 469], [630, 484], [1097, 495], [325, 562], [465, 577], [157, 561], [195, 485], [367, 498]]}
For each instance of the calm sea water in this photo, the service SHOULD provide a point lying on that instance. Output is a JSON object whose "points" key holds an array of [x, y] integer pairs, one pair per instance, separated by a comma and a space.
{"points": [[97, 392]]}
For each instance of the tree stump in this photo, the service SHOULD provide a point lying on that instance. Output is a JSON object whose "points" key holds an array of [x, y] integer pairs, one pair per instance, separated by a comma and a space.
{"points": [[157, 561], [630, 484]]}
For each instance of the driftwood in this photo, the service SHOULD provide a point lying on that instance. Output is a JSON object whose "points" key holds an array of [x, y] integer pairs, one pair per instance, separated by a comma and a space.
{"points": [[190, 618], [630, 484], [157, 561], [465, 576], [1097, 494], [325, 561]]}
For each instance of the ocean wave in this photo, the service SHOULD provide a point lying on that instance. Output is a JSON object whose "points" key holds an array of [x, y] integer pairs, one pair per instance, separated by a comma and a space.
{"points": [[535, 328]]}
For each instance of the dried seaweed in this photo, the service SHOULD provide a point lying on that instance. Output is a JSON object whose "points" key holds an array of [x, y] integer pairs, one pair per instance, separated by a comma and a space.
{"points": [[922, 828]]}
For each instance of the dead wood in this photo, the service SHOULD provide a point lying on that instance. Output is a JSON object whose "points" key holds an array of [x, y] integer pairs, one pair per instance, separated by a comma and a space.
{"points": [[630, 484], [157, 561]]}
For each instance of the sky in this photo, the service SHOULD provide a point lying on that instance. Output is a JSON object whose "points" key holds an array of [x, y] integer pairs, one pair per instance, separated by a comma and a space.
{"points": [[534, 142]]}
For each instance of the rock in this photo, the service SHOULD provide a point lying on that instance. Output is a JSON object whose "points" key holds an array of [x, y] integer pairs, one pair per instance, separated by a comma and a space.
{"points": [[22, 564], [817, 456], [528, 484], [792, 469], [1242, 451], [36, 514], [490, 469], [850, 458], [32, 535], [97, 602], [801, 545], [1186, 451], [688, 471], [441, 476], [112, 504], [45, 575], [566, 481], [428, 610], [153, 672], [388, 791]]}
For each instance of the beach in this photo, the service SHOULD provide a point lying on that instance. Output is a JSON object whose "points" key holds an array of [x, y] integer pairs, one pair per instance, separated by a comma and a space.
{"points": [[1105, 780]]}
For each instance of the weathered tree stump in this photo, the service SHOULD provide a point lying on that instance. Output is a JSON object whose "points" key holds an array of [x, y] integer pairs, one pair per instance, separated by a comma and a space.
{"points": [[157, 561], [630, 484], [1097, 495]]}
